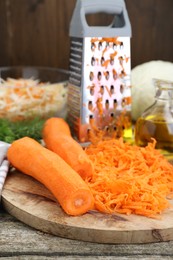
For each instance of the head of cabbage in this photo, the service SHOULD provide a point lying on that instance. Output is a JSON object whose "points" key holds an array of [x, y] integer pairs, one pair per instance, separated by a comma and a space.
{"points": [[143, 89]]}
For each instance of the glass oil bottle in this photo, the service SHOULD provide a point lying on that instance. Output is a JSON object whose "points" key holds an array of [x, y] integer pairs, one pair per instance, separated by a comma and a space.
{"points": [[157, 120]]}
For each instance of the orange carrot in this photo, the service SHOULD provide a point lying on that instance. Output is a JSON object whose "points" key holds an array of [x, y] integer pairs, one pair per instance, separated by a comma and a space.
{"points": [[56, 125], [130, 179], [66, 185], [58, 140]]}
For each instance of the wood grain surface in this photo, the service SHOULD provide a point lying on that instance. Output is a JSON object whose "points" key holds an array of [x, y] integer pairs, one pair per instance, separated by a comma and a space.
{"points": [[20, 241], [36, 32], [30, 202]]}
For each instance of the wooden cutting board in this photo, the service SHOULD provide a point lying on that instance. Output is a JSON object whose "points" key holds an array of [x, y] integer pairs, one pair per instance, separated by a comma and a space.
{"points": [[30, 202]]}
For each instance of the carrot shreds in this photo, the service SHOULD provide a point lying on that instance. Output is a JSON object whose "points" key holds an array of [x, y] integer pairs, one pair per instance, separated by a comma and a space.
{"points": [[129, 179]]}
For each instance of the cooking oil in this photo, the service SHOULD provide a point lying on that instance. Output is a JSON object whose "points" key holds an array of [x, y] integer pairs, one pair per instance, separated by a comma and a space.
{"points": [[157, 121], [159, 129]]}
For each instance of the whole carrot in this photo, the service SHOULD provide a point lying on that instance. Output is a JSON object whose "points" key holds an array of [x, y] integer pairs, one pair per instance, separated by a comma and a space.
{"points": [[56, 125], [66, 185], [57, 139]]}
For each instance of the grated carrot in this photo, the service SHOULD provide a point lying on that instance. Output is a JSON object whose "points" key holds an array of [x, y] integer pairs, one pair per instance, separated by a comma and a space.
{"points": [[129, 179]]}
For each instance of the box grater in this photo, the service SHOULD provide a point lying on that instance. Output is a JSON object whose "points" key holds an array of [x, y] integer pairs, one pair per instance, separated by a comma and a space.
{"points": [[99, 97]]}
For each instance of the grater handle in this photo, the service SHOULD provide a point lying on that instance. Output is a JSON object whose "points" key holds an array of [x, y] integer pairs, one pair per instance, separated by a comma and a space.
{"points": [[119, 27], [105, 6]]}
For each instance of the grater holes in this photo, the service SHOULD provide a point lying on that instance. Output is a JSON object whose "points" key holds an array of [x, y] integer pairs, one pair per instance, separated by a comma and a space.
{"points": [[99, 75], [123, 102], [106, 129], [88, 131], [112, 117], [114, 46], [91, 117], [107, 103], [102, 89], [106, 75], [121, 88], [112, 61], [107, 44], [114, 128], [91, 76], [102, 60], [121, 60], [90, 105], [100, 46], [93, 61], [121, 45], [112, 89], [115, 103], [122, 74], [115, 74], [93, 46], [91, 88], [91, 121]]}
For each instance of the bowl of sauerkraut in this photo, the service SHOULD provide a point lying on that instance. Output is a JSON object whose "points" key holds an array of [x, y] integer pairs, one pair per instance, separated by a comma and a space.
{"points": [[28, 96]]}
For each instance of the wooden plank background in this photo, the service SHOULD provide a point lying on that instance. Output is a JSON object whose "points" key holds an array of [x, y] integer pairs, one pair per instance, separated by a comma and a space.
{"points": [[35, 32]]}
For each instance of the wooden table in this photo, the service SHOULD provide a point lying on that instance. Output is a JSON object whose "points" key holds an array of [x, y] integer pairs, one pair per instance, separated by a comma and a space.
{"points": [[19, 241]]}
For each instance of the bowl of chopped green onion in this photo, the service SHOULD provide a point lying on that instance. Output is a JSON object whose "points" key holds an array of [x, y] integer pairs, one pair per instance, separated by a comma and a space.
{"points": [[29, 96]]}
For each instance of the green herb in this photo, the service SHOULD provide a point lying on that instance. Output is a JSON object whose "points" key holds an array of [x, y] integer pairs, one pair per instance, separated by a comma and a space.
{"points": [[10, 131]]}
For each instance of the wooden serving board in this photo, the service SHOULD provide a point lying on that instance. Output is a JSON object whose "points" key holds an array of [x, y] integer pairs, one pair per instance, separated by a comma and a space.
{"points": [[30, 202]]}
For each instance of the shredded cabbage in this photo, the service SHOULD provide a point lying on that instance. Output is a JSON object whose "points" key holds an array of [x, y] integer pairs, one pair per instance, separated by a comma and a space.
{"points": [[26, 98]]}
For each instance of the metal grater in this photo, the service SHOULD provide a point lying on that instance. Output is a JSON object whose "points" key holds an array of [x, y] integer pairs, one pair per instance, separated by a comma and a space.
{"points": [[99, 96]]}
